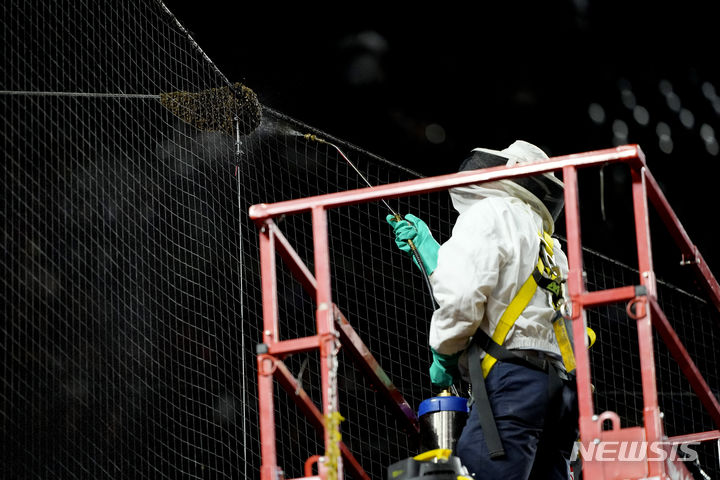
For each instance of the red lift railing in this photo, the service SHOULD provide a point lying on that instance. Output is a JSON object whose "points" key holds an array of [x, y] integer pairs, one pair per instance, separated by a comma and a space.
{"points": [[333, 330]]}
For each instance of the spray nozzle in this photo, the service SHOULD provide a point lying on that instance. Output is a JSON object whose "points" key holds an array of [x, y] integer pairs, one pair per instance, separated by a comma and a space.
{"points": [[310, 136]]}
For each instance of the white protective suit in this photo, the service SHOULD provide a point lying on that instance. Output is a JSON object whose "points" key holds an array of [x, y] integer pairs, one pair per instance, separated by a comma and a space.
{"points": [[492, 251]]}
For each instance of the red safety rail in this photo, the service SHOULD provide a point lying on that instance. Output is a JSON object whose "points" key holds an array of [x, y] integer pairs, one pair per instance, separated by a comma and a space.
{"points": [[641, 299]]}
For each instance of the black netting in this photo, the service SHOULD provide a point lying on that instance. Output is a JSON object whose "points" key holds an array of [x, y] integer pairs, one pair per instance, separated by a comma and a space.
{"points": [[121, 272], [130, 281]]}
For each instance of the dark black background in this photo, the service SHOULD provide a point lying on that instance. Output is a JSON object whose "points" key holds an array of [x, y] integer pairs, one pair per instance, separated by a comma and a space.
{"points": [[377, 75]]}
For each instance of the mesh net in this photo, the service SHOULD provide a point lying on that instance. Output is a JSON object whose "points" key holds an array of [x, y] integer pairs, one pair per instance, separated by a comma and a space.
{"points": [[131, 278]]}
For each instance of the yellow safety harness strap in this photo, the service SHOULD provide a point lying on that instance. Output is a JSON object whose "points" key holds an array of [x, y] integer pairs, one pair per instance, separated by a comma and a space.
{"points": [[508, 318], [564, 342], [547, 277]]}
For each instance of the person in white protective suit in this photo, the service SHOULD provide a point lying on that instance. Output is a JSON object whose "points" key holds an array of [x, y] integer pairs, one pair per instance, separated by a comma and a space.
{"points": [[498, 285]]}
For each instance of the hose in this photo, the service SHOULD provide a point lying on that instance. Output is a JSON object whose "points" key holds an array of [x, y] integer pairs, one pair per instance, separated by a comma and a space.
{"points": [[397, 216]]}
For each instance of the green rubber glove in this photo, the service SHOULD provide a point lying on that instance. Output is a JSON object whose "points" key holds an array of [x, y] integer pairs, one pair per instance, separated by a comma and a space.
{"points": [[444, 370], [412, 228]]}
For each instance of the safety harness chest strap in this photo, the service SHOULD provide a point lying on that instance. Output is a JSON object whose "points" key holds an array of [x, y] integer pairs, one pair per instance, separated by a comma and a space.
{"points": [[507, 320]]}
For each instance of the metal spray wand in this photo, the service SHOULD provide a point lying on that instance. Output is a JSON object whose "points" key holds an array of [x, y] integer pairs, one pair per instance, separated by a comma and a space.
{"points": [[397, 216]]}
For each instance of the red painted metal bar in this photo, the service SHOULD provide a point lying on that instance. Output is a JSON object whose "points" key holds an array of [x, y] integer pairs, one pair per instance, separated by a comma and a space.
{"points": [[325, 326], [376, 375], [611, 295], [576, 292], [682, 357], [696, 437], [642, 231], [268, 280], [651, 410], [625, 154], [307, 407], [589, 427], [269, 469], [295, 345], [690, 253]]}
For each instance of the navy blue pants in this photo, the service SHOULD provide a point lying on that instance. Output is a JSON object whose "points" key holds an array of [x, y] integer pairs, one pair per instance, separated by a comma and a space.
{"points": [[519, 399]]}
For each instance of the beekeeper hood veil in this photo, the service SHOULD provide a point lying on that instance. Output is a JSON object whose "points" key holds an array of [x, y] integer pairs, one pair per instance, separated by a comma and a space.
{"points": [[544, 192]]}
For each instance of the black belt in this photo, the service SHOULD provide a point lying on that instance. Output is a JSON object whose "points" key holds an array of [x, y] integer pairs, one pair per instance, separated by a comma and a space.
{"points": [[541, 361]]}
